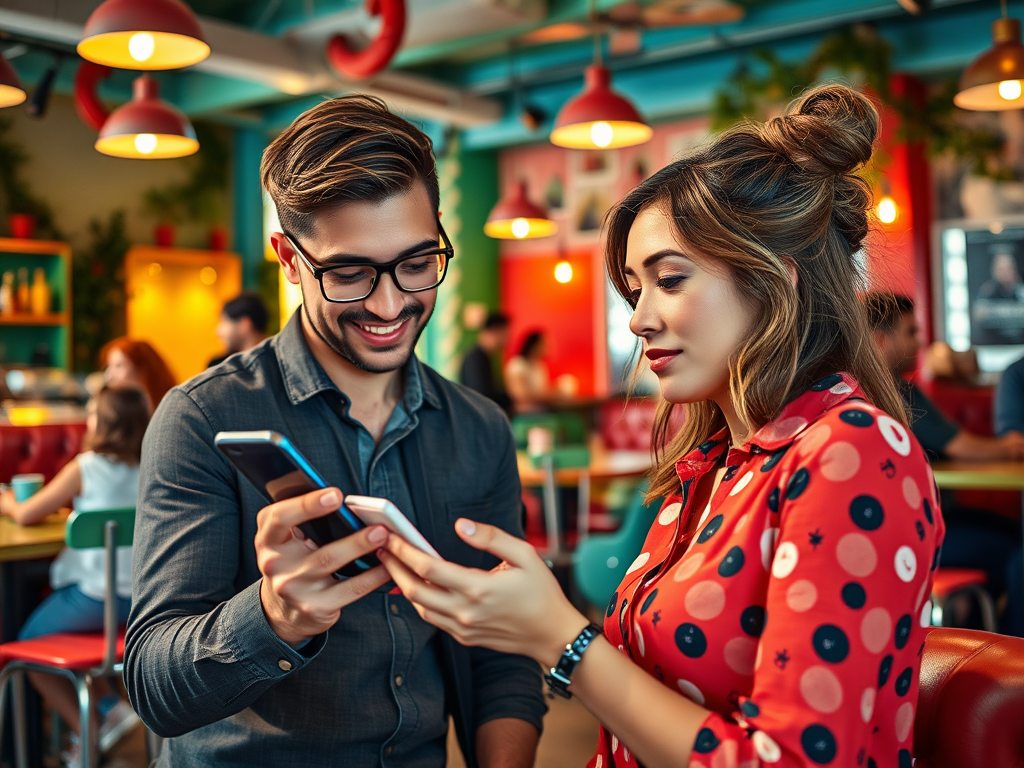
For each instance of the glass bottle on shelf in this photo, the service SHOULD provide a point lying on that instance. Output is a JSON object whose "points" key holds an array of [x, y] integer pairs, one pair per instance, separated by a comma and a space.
{"points": [[40, 292], [23, 302], [7, 294]]}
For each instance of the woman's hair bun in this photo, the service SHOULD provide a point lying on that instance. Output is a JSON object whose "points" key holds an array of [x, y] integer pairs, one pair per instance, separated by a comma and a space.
{"points": [[829, 129]]}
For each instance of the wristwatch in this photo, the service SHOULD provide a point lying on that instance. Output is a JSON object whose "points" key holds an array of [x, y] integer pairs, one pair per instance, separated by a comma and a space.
{"points": [[559, 676]]}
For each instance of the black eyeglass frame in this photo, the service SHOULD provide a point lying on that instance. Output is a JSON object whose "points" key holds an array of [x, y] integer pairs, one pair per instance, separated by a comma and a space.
{"points": [[386, 268]]}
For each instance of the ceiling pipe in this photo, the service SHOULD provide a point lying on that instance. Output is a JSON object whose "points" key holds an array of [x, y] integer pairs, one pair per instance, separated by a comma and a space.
{"points": [[374, 57], [87, 103]]}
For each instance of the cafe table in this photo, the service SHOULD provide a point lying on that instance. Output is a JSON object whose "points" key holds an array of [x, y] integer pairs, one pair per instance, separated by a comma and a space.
{"points": [[981, 475], [597, 463]]}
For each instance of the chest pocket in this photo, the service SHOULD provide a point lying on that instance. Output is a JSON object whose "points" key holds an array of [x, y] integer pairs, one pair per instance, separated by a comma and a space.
{"points": [[459, 551]]}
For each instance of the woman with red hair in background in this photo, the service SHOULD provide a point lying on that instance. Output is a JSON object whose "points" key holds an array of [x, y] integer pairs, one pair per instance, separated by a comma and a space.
{"points": [[133, 362]]}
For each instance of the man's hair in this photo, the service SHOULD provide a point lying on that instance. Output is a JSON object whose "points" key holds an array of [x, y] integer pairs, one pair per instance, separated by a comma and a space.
{"points": [[884, 309], [122, 415], [496, 320], [248, 304], [348, 149]]}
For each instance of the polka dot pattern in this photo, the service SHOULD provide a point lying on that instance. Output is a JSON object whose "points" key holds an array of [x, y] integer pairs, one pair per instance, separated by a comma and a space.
{"points": [[796, 605]]}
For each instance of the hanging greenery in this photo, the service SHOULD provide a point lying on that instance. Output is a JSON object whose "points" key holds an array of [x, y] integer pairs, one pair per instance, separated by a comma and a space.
{"points": [[200, 197], [98, 290], [858, 53], [16, 195]]}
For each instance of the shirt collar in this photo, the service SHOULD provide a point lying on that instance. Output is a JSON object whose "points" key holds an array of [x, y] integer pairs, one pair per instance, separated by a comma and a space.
{"points": [[794, 419], [304, 377]]}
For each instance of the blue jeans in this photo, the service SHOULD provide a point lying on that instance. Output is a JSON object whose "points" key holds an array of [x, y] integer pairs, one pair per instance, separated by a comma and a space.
{"points": [[69, 610]]}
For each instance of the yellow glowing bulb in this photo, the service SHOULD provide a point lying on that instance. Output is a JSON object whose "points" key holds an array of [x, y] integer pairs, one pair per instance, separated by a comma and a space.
{"points": [[145, 143], [1010, 89], [563, 272], [520, 228], [208, 276], [155, 269], [601, 134], [141, 46], [887, 210]]}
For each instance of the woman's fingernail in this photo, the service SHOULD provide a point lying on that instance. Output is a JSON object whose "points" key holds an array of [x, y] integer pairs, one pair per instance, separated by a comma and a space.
{"points": [[378, 534], [466, 526], [329, 499]]}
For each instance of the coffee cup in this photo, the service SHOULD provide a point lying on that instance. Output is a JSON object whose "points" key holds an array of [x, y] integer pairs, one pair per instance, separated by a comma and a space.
{"points": [[26, 485]]}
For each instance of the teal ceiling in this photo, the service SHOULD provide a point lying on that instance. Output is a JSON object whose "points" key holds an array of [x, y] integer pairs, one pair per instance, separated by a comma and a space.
{"points": [[667, 72]]}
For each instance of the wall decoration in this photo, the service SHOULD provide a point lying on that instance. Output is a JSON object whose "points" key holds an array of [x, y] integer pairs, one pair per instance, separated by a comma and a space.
{"points": [[554, 193], [590, 166], [591, 204]]}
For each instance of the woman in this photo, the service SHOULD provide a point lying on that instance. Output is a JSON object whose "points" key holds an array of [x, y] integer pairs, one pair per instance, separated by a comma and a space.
{"points": [[133, 362], [526, 375], [775, 614]]}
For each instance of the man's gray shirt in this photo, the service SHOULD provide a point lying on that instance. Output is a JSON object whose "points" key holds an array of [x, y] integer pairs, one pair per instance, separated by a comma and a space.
{"points": [[202, 664]]}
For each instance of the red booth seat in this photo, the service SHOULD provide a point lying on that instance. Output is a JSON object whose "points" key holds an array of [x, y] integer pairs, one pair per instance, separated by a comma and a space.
{"points": [[970, 711], [44, 448]]}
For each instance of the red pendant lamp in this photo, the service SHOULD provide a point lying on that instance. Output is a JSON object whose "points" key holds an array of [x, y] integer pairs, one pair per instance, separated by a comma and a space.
{"points": [[516, 218], [143, 34], [994, 81], [599, 118], [11, 92], [146, 127]]}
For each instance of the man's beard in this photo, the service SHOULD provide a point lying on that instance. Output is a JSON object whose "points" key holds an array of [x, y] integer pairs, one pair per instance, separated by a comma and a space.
{"points": [[336, 339]]}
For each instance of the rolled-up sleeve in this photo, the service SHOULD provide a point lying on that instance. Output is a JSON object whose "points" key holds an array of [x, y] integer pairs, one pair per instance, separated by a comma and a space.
{"points": [[198, 646]]}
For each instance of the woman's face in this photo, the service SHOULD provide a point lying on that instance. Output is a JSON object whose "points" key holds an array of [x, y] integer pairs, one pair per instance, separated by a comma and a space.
{"points": [[688, 312], [120, 370]]}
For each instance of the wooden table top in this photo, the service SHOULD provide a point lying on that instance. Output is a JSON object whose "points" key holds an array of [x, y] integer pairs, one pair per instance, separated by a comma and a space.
{"points": [[604, 465], [996, 475], [27, 542]]}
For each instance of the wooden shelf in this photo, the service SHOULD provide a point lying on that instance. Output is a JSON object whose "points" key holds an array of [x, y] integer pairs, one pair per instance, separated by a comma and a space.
{"points": [[37, 247], [59, 318]]}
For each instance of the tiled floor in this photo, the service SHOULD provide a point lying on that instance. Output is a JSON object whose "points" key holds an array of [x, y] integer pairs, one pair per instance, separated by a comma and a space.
{"points": [[570, 734]]}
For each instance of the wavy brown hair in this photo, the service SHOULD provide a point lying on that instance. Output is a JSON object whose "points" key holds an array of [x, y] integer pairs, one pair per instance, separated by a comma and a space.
{"points": [[757, 199], [352, 148], [122, 415]]}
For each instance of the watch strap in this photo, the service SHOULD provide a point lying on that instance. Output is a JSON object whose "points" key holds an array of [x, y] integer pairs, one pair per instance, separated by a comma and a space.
{"points": [[559, 677]]}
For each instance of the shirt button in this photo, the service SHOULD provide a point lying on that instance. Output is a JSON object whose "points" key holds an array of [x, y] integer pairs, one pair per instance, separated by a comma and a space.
{"points": [[285, 665], [388, 751], [398, 680], [394, 608]]}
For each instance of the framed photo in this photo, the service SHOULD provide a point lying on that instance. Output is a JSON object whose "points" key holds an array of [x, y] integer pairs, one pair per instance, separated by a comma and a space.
{"points": [[592, 166], [590, 204]]}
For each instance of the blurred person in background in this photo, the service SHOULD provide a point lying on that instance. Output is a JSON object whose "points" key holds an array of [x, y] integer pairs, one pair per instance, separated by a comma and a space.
{"points": [[134, 362], [479, 369], [104, 476], [242, 325], [1009, 410], [975, 538], [526, 375]]}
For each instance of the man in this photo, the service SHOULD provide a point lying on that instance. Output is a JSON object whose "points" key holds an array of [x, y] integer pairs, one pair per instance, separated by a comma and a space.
{"points": [[1009, 411], [975, 538], [478, 371], [242, 325], [895, 331], [241, 645]]}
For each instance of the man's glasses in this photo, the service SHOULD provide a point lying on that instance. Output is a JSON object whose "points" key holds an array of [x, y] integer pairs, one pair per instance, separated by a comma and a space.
{"points": [[354, 281]]}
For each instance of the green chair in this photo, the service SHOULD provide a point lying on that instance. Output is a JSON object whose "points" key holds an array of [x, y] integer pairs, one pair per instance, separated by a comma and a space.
{"points": [[79, 657], [600, 562]]}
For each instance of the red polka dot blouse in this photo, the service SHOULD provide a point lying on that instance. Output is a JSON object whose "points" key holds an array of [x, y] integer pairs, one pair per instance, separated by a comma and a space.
{"points": [[795, 612]]}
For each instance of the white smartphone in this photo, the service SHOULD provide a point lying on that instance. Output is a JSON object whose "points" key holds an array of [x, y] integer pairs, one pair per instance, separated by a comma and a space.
{"points": [[375, 511]]}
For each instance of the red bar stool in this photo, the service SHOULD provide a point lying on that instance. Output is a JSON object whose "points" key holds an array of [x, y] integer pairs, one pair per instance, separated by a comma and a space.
{"points": [[949, 582]]}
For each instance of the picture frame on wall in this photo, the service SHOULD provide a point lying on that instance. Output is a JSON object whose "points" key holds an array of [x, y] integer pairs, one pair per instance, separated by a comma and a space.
{"points": [[593, 166], [590, 203]]}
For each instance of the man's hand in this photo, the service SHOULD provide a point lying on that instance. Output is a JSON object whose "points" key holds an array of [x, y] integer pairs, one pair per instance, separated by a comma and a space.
{"points": [[300, 596]]}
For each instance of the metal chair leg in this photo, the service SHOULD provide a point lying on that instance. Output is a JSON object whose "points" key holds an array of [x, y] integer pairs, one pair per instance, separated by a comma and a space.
{"points": [[83, 683]]}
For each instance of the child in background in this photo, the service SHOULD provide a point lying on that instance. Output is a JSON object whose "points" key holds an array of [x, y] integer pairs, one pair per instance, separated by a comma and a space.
{"points": [[104, 476]]}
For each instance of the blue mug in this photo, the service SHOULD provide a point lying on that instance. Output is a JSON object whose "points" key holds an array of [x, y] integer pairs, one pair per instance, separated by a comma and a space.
{"points": [[25, 486]]}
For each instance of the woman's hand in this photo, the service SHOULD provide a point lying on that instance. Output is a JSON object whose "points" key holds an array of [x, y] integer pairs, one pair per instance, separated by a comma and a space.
{"points": [[7, 502], [516, 608]]}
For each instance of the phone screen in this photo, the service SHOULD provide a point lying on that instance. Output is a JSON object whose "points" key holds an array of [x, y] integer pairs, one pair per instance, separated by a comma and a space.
{"points": [[275, 467]]}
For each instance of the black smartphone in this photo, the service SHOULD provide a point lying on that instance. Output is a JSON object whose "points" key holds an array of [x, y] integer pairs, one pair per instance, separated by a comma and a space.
{"points": [[271, 463]]}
